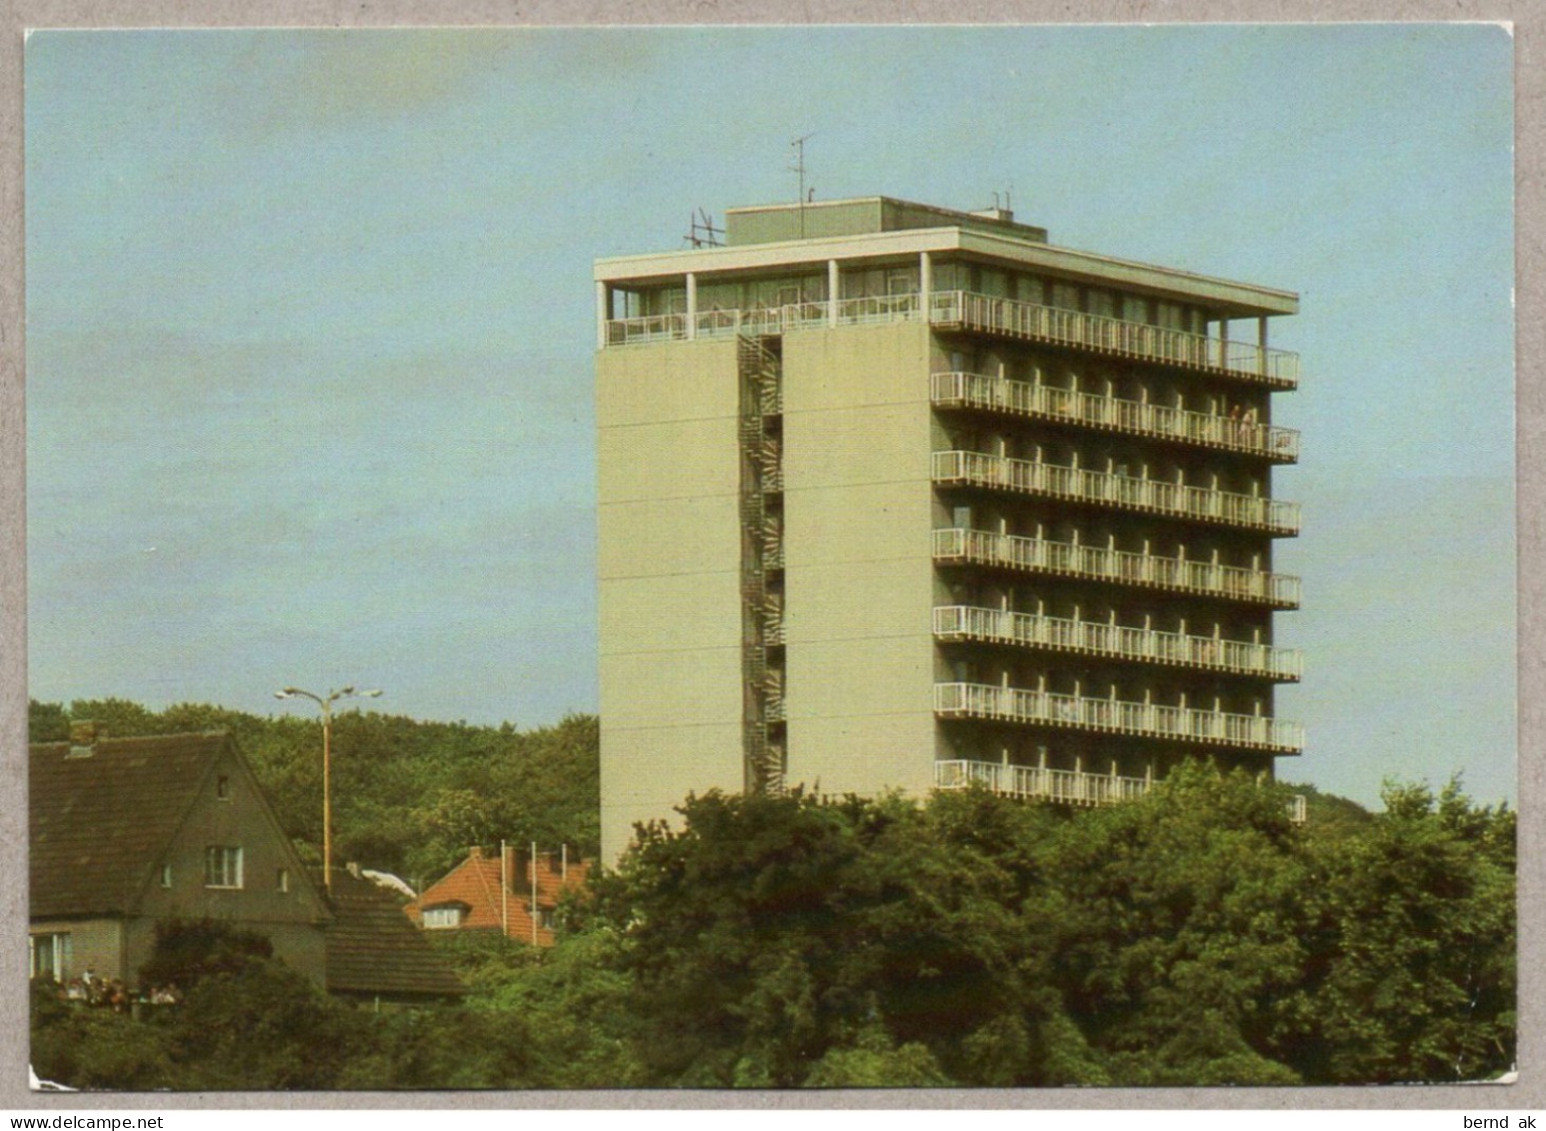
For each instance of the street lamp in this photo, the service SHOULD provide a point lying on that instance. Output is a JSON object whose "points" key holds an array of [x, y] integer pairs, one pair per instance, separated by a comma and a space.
{"points": [[326, 703]]}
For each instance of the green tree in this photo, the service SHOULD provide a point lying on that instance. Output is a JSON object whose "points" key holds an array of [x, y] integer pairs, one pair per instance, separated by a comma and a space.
{"points": [[47, 722], [769, 932], [1412, 977], [261, 1027], [1180, 928], [187, 951], [97, 1048], [120, 717]]}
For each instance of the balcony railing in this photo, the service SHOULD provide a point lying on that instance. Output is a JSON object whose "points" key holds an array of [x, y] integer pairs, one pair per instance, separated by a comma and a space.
{"points": [[1124, 492], [1029, 630], [977, 390], [1038, 555], [1069, 787], [1033, 321], [1118, 716], [1027, 320]]}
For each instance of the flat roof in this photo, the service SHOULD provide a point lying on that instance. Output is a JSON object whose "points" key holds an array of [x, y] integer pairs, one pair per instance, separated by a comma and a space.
{"points": [[1231, 297]]}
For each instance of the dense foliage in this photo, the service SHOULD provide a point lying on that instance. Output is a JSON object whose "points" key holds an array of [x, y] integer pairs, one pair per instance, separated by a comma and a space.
{"points": [[408, 797], [1193, 937]]}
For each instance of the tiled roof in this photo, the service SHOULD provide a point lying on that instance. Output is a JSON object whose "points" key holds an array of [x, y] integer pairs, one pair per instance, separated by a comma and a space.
{"points": [[100, 822], [475, 883], [373, 949]]}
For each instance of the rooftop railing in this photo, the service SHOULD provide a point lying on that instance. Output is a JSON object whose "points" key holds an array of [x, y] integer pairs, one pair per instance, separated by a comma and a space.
{"points": [[1068, 787], [1030, 630], [1126, 492], [977, 390], [1116, 716], [968, 310], [1038, 555]]}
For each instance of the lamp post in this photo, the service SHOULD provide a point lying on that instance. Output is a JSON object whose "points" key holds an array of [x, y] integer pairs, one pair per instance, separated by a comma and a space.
{"points": [[326, 703]]}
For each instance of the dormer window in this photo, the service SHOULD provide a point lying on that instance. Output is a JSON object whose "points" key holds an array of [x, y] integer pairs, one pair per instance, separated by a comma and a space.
{"points": [[223, 788], [441, 918], [166, 875]]}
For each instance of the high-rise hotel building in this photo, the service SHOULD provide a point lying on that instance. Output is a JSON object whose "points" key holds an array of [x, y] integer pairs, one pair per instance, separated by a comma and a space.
{"points": [[899, 497]]}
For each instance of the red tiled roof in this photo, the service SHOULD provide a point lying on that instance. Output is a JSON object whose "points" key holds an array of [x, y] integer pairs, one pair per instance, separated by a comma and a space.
{"points": [[100, 822], [475, 882]]}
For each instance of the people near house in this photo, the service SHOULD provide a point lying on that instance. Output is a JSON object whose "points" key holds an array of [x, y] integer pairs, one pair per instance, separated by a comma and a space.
{"points": [[89, 990]]}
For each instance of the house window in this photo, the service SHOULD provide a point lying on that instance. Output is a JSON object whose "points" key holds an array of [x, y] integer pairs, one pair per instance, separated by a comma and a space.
{"points": [[166, 875], [282, 880], [223, 788], [439, 918], [222, 866], [49, 955], [545, 918]]}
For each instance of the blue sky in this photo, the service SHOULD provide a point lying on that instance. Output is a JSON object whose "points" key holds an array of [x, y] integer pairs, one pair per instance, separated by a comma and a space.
{"points": [[309, 328]]}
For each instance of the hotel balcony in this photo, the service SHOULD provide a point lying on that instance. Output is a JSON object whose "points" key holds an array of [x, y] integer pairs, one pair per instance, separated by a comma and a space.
{"points": [[1034, 322], [1068, 787], [1201, 429], [964, 310], [1122, 492], [1116, 716], [1093, 638], [956, 546]]}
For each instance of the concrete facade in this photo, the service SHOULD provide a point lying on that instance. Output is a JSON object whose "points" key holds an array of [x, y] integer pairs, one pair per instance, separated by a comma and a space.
{"points": [[895, 497], [668, 553]]}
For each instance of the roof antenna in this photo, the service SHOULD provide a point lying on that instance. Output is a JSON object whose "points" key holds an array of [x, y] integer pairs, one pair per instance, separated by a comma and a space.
{"points": [[702, 232], [798, 145]]}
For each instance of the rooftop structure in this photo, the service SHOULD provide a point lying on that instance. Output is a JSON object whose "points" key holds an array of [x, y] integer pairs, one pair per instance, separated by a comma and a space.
{"points": [[899, 497]]}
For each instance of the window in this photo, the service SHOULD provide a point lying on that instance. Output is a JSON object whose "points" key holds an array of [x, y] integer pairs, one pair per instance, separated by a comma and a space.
{"points": [[222, 866], [1102, 302], [223, 788], [437, 918], [545, 918], [282, 880], [1065, 296], [166, 875], [49, 955]]}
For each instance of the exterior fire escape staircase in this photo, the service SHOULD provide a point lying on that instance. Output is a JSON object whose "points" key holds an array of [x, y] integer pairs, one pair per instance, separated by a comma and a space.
{"points": [[762, 560]]}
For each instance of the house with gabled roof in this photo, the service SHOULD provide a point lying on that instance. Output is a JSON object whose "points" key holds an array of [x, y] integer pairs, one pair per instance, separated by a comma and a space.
{"points": [[514, 891], [129, 832]]}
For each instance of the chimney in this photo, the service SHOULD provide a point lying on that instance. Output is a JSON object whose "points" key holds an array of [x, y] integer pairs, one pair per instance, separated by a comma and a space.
{"points": [[475, 852], [84, 736]]}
